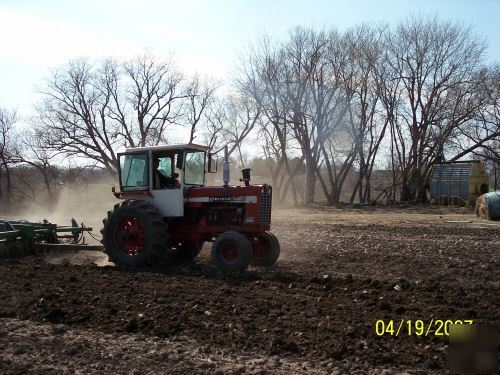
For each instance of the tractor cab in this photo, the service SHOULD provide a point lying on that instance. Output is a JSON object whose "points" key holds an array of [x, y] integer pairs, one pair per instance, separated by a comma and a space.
{"points": [[163, 173]]}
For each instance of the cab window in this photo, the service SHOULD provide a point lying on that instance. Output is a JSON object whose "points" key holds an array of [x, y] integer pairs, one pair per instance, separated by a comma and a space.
{"points": [[194, 167], [133, 171], [163, 172], [165, 165]]}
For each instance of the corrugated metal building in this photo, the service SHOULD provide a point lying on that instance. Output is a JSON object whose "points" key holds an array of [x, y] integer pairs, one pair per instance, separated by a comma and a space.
{"points": [[458, 182]]}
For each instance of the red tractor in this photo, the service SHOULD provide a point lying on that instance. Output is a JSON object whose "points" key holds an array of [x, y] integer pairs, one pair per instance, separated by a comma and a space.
{"points": [[168, 212]]}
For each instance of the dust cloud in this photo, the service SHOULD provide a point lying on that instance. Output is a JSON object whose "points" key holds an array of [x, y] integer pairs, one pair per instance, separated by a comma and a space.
{"points": [[87, 204]]}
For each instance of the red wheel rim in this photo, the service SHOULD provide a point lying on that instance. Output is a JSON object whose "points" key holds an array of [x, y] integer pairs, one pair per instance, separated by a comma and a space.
{"points": [[129, 236], [259, 248], [229, 252]]}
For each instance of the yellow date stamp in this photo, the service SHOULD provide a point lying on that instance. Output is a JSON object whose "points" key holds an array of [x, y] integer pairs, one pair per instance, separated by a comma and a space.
{"points": [[417, 327]]}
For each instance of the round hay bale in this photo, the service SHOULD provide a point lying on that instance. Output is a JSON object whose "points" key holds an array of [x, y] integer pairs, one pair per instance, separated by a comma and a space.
{"points": [[488, 206]]}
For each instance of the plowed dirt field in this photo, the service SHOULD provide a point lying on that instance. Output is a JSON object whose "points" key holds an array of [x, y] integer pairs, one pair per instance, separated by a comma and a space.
{"points": [[313, 312]]}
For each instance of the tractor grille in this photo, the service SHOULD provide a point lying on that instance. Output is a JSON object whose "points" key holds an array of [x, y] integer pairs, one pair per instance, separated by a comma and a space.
{"points": [[265, 205]]}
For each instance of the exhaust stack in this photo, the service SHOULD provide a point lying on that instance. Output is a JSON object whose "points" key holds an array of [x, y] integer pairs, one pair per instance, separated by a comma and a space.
{"points": [[225, 168]]}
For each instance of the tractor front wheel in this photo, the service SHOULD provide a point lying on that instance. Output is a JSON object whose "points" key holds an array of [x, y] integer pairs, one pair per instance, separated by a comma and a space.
{"points": [[231, 251], [265, 249], [134, 234]]}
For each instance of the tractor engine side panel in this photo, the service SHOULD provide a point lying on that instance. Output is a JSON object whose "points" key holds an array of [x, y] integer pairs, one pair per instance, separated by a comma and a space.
{"points": [[255, 201], [213, 210]]}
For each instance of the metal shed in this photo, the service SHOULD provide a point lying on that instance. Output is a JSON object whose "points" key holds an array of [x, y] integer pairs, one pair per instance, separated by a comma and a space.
{"points": [[458, 182]]}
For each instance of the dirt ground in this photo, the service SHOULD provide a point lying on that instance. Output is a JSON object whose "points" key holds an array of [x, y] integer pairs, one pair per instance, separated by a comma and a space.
{"points": [[313, 312]]}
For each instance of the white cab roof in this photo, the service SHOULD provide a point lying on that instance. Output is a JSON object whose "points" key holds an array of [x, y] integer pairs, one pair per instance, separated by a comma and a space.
{"points": [[168, 147]]}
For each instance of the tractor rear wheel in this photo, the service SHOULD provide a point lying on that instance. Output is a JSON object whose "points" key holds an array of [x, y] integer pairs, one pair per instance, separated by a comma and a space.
{"points": [[231, 251], [134, 234], [265, 249]]}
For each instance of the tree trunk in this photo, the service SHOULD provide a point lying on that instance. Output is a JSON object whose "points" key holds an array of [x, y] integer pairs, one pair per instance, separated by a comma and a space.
{"points": [[310, 182], [354, 191], [405, 195], [46, 181], [361, 195], [495, 183], [1, 187], [9, 183]]}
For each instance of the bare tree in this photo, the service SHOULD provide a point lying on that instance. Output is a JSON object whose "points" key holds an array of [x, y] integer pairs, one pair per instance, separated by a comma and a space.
{"points": [[437, 66], [366, 109], [282, 168], [214, 125], [91, 111], [75, 114], [262, 79], [33, 152], [305, 86], [241, 116], [480, 135], [302, 56], [7, 149], [200, 97], [491, 156], [154, 95], [348, 112]]}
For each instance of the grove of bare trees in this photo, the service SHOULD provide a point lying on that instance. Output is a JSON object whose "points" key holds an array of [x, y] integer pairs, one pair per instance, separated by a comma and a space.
{"points": [[323, 115], [350, 101]]}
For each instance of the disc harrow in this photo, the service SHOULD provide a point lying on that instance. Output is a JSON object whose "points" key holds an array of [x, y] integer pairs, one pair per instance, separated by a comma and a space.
{"points": [[20, 237]]}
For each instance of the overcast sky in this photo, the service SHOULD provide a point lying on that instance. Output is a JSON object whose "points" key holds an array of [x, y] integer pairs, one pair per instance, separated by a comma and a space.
{"points": [[204, 35]]}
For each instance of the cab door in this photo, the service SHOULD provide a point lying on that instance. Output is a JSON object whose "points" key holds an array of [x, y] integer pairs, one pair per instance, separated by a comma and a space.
{"points": [[168, 200]]}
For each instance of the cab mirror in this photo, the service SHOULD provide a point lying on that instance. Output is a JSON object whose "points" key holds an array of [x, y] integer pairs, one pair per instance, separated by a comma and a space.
{"points": [[212, 163], [179, 164]]}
